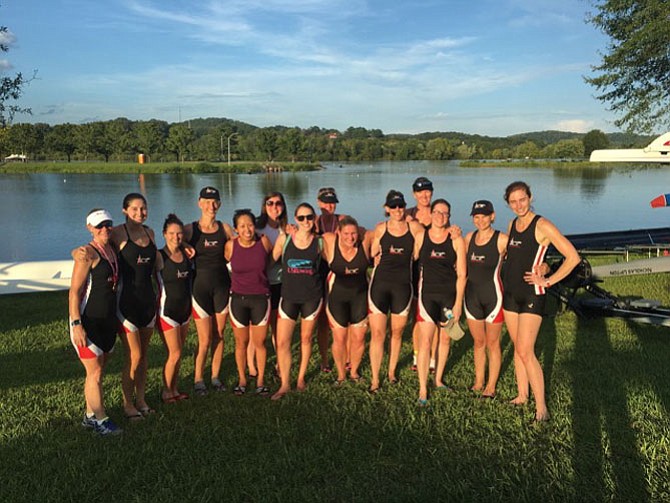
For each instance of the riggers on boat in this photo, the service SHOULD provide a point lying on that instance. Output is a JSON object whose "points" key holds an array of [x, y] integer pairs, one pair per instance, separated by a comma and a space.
{"points": [[600, 303]]}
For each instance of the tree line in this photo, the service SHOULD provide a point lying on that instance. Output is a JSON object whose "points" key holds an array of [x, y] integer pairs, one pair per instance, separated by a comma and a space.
{"points": [[121, 140]]}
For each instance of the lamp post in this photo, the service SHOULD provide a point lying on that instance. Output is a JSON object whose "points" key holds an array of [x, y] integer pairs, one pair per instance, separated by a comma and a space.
{"points": [[229, 137]]}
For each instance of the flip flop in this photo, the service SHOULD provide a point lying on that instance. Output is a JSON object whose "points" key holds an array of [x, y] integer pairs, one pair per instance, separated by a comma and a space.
{"points": [[145, 411], [134, 417]]}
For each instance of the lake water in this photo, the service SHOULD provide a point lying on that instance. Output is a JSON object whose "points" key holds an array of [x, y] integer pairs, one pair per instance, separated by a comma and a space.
{"points": [[43, 214]]}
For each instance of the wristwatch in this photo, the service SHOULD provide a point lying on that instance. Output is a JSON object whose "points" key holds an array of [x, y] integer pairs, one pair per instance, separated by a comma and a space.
{"points": [[74, 323]]}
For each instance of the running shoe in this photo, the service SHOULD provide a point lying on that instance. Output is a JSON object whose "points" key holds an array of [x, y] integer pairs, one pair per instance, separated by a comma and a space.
{"points": [[88, 422], [107, 427]]}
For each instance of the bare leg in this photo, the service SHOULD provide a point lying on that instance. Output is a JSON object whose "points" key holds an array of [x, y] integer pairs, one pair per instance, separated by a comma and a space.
{"points": [[217, 343], [258, 335], [133, 349], [398, 324], [340, 336], [377, 338], [203, 327], [93, 386], [529, 327], [512, 322], [141, 376], [426, 334], [306, 330], [173, 343], [442, 355], [416, 336], [495, 357], [241, 343], [478, 332], [356, 336], [284, 335]]}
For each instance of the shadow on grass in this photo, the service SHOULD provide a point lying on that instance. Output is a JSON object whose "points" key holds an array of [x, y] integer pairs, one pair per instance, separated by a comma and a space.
{"points": [[606, 459]]}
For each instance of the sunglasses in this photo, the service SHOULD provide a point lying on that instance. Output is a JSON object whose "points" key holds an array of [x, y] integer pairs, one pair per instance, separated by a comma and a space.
{"points": [[302, 218], [273, 203], [395, 206], [107, 224]]}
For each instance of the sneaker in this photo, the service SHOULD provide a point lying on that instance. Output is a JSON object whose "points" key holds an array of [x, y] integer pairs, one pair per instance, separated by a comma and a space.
{"points": [[107, 427], [88, 422]]}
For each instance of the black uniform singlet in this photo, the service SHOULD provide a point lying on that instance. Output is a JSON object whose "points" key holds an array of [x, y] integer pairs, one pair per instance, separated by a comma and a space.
{"points": [[97, 307], [137, 298], [391, 283], [483, 290], [523, 253], [174, 281], [411, 212], [211, 281], [347, 288], [437, 285], [302, 286]]}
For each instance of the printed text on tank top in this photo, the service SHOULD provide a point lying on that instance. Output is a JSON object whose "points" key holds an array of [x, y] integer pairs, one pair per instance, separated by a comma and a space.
{"points": [[480, 241], [141, 260], [170, 255], [110, 257]]}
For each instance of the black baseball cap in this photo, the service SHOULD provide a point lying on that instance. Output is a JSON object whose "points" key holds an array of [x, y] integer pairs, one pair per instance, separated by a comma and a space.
{"points": [[210, 193], [422, 183], [327, 195], [482, 207], [395, 198]]}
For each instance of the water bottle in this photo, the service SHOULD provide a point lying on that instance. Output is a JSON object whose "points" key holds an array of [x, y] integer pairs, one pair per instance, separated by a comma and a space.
{"points": [[448, 316]]}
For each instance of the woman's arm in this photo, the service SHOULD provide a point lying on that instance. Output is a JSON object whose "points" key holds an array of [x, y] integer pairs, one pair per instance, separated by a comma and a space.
{"points": [[461, 275], [79, 275]]}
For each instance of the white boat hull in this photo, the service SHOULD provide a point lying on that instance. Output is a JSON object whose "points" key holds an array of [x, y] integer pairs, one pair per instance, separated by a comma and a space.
{"points": [[632, 268], [43, 276]]}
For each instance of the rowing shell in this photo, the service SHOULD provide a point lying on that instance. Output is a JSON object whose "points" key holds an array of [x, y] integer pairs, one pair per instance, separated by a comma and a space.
{"points": [[632, 268], [660, 201], [44, 276]]}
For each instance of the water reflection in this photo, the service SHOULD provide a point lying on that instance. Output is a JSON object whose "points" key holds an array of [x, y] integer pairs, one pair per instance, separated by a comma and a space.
{"points": [[43, 215]]}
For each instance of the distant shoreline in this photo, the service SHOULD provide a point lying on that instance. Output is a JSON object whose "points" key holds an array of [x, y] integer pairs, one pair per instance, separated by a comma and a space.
{"points": [[98, 167]]}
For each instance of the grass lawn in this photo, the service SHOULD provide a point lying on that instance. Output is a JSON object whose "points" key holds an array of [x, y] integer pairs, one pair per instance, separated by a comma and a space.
{"points": [[609, 437]]}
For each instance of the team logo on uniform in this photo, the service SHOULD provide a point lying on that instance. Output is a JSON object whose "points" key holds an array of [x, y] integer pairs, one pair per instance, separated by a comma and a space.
{"points": [[437, 254], [515, 243], [143, 260], [530, 306], [182, 274], [299, 266], [477, 258], [396, 251], [211, 244], [351, 271]]}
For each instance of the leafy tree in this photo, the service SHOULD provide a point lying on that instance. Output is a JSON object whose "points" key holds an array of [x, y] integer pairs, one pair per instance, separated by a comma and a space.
{"points": [[527, 149], [150, 136], [11, 87], [267, 143], [594, 140], [634, 74], [86, 138], [564, 149], [180, 138], [23, 138], [118, 137], [439, 149], [292, 142], [61, 139]]}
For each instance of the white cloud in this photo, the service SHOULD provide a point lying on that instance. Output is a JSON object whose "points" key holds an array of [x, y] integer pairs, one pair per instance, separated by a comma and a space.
{"points": [[574, 125], [5, 65]]}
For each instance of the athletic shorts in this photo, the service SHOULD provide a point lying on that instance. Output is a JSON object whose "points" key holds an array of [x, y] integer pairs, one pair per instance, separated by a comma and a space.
{"points": [[484, 303], [308, 310], [136, 308], [524, 303], [386, 296], [100, 336], [347, 307], [246, 310], [211, 294], [430, 307]]}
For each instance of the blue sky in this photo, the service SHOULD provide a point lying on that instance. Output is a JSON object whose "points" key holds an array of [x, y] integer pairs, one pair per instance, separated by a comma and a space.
{"points": [[494, 67]]}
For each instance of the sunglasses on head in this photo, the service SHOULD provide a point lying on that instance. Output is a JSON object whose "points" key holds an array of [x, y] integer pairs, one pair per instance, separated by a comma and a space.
{"points": [[302, 218], [106, 223], [395, 206], [273, 203]]}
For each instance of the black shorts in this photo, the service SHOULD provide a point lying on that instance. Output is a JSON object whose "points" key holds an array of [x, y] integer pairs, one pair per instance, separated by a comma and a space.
{"points": [[211, 293], [347, 307], [136, 308], [275, 296], [484, 303], [248, 310], [524, 303], [386, 296], [100, 336], [308, 310], [430, 306]]}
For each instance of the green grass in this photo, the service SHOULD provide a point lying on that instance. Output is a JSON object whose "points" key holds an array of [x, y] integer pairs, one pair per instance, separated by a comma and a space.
{"points": [[534, 163], [158, 167], [609, 437]]}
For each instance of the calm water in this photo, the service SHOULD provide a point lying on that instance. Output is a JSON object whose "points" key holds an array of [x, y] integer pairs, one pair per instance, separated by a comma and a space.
{"points": [[43, 215]]}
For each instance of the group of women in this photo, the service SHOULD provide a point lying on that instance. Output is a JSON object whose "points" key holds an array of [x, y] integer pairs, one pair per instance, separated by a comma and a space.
{"points": [[265, 272]]}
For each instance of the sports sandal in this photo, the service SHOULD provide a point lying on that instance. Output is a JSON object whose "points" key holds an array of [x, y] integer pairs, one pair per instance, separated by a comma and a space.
{"points": [[262, 391], [239, 390]]}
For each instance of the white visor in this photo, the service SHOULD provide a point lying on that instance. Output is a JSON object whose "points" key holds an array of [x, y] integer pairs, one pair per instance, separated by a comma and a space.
{"points": [[97, 217]]}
